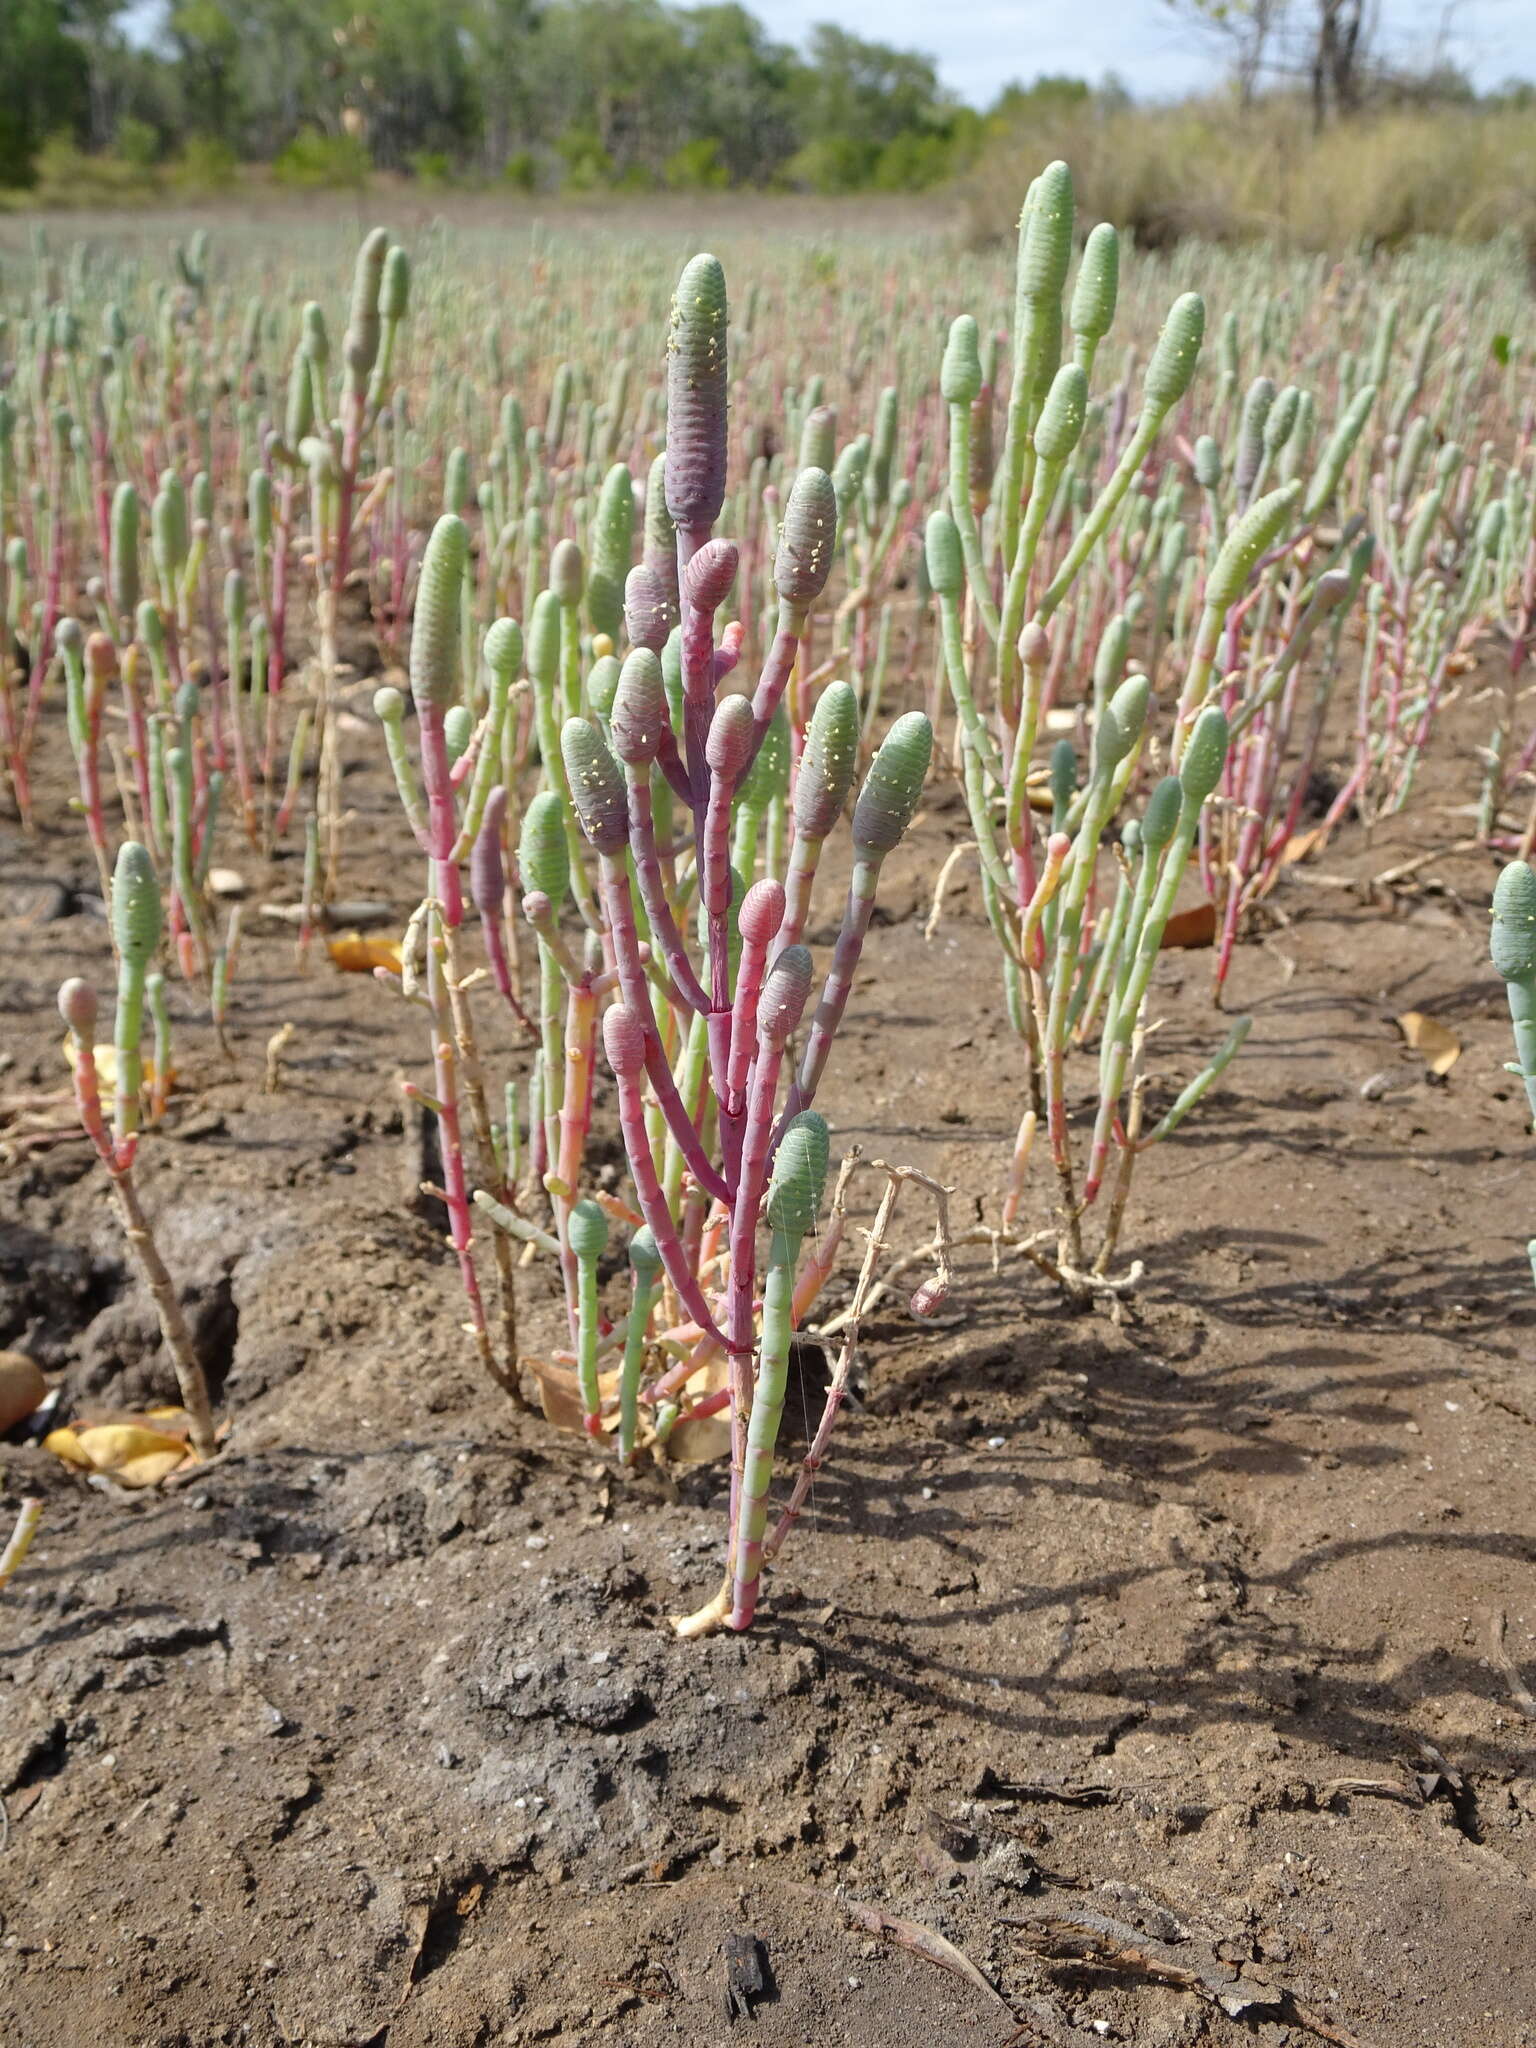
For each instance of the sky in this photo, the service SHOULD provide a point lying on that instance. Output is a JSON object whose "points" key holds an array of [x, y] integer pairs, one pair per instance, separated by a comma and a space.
{"points": [[985, 44], [1147, 44]]}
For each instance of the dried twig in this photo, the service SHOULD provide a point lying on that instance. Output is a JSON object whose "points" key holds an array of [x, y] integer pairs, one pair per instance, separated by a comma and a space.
{"points": [[277, 1045], [925, 1301], [1111, 1944], [1519, 1691], [21, 1538], [923, 1941]]}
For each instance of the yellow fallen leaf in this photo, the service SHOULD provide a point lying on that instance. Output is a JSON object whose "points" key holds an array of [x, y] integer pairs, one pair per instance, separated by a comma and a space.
{"points": [[354, 954], [132, 1453], [106, 1065], [1440, 1047]]}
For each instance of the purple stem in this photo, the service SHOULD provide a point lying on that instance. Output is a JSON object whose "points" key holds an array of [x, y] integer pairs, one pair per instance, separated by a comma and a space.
{"points": [[620, 913], [837, 987]]}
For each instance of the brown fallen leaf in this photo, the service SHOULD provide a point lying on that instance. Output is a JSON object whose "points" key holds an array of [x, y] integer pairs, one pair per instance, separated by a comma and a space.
{"points": [[560, 1393], [1438, 1045], [1300, 844], [1191, 928]]}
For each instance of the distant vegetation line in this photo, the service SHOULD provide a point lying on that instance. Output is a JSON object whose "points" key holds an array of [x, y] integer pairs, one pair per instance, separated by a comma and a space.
{"points": [[596, 97]]}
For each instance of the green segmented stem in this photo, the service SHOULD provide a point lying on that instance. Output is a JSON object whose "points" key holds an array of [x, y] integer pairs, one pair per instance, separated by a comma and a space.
{"points": [[645, 1265], [791, 1208], [587, 1235], [1168, 378]]}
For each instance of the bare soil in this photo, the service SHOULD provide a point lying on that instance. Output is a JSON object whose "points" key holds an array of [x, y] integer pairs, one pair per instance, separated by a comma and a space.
{"points": [[375, 1732]]}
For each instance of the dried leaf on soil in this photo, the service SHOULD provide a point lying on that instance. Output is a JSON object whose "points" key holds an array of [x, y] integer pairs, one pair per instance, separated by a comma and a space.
{"points": [[1440, 1046], [354, 954]]}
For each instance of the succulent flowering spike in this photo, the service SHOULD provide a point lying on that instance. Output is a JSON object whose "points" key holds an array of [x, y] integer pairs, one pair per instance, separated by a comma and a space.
{"points": [[360, 344], [123, 561], [395, 285], [785, 991], [762, 911], [77, 1006], [258, 504], [1045, 246], [729, 740], [624, 1041], [1257, 402], [960, 371], [613, 538], [943, 556], [435, 632], [1512, 945], [543, 853], [708, 578], [487, 876], [567, 572], [587, 1231], [799, 1175], [1207, 463], [597, 786], [1120, 725], [697, 397], [639, 715], [643, 1255], [602, 687], [1325, 479], [818, 438], [802, 560], [1281, 423], [659, 547], [829, 762], [649, 611], [1172, 367], [1258, 530], [1204, 756], [1161, 815], [1098, 284], [1063, 775], [316, 342], [458, 730], [504, 648], [892, 787], [169, 536], [135, 906], [456, 480], [1060, 425], [543, 648]]}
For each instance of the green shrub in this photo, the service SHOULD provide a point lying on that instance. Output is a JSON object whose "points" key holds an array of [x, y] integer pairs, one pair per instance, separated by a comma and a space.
{"points": [[136, 143], [697, 167], [431, 167], [206, 164], [323, 162]]}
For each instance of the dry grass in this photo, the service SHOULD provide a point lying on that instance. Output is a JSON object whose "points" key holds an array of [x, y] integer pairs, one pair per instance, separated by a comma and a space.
{"points": [[1206, 170]]}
